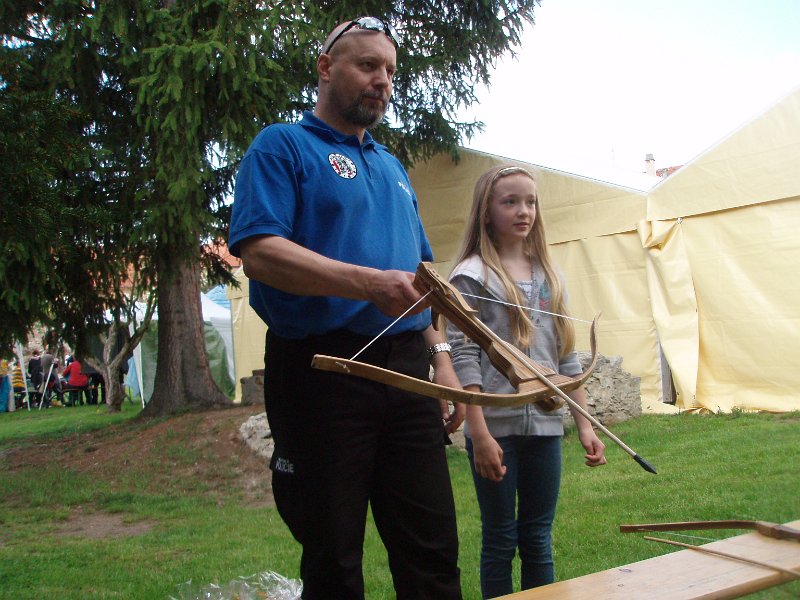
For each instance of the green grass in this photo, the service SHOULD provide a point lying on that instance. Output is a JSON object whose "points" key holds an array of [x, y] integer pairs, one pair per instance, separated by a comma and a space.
{"points": [[709, 467], [41, 426]]}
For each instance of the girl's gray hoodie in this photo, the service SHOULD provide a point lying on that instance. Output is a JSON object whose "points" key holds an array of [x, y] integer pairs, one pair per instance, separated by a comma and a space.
{"points": [[472, 364]]}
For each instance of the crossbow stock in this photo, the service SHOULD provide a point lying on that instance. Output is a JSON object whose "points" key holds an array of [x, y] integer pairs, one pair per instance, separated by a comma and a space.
{"points": [[534, 382]]}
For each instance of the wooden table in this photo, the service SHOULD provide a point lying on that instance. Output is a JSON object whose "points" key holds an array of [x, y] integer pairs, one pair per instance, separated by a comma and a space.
{"points": [[685, 574]]}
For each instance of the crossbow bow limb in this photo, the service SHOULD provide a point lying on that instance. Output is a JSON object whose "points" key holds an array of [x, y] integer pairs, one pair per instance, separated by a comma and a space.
{"points": [[773, 530], [534, 382]]}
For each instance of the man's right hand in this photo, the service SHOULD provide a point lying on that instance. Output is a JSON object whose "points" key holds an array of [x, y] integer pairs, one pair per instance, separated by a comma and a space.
{"points": [[393, 292]]}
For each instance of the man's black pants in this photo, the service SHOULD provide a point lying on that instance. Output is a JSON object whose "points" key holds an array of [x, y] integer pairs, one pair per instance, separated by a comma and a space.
{"points": [[343, 443]]}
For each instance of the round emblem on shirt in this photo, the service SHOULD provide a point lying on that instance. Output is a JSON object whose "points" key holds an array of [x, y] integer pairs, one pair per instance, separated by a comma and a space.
{"points": [[343, 166]]}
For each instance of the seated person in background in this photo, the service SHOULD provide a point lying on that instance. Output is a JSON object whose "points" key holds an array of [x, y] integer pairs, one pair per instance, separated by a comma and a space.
{"points": [[78, 382]]}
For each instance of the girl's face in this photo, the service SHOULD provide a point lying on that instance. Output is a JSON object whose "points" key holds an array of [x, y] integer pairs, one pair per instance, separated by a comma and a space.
{"points": [[512, 208]]}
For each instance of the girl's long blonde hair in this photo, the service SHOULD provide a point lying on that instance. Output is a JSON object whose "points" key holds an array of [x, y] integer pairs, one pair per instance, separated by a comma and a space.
{"points": [[478, 239]]}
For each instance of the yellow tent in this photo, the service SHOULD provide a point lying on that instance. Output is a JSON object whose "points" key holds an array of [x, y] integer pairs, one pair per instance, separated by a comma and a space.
{"points": [[694, 276], [722, 246], [249, 332]]}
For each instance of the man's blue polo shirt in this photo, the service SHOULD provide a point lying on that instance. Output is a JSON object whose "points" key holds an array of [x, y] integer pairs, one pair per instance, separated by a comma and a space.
{"points": [[348, 201]]}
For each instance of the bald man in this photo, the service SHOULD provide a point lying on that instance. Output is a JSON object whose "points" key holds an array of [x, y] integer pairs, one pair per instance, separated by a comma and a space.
{"points": [[326, 223]]}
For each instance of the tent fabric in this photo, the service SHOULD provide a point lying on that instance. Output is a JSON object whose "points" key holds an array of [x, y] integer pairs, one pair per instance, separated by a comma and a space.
{"points": [[695, 272], [219, 295], [743, 265], [215, 349], [673, 302], [736, 208], [755, 164], [602, 278], [575, 207], [218, 334], [220, 318], [249, 332]]}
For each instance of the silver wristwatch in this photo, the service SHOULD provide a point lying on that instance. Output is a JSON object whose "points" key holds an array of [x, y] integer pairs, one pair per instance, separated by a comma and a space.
{"points": [[436, 348]]}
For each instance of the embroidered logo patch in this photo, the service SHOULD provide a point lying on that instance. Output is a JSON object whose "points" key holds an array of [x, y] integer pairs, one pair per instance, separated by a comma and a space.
{"points": [[343, 166]]}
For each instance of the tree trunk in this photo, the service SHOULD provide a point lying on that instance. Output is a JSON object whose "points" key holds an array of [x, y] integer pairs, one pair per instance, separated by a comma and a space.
{"points": [[117, 348], [114, 390], [183, 377]]}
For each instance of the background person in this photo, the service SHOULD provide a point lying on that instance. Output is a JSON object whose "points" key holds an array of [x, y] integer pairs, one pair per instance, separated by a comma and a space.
{"points": [[78, 382], [515, 452], [18, 384], [5, 383], [96, 386], [326, 223]]}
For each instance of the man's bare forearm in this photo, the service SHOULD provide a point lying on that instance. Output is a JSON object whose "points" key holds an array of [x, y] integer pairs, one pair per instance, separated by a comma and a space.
{"points": [[291, 268]]}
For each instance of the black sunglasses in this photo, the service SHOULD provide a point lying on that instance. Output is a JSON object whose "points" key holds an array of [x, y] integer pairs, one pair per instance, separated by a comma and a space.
{"points": [[370, 24]]}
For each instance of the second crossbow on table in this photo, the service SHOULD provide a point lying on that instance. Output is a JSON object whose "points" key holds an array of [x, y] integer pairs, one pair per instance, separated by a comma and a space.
{"points": [[534, 382]]}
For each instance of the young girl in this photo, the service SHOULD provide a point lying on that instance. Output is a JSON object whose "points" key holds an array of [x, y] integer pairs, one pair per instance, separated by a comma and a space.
{"points": [[515, 453]]}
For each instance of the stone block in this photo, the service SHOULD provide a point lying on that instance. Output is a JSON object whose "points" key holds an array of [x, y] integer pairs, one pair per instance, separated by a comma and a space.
{"points": [[253, 389]]}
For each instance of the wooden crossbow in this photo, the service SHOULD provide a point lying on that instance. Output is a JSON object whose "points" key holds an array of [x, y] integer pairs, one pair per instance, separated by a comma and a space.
{"points": [[534, 382], [771, 530]]}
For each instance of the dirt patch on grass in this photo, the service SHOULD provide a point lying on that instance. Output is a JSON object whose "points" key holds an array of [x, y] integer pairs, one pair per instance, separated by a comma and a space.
{"points": [[101, 525], [197, 453]]}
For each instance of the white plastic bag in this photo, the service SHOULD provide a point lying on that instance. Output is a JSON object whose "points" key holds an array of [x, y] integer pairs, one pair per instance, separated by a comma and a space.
{"points": [[261, 586]]}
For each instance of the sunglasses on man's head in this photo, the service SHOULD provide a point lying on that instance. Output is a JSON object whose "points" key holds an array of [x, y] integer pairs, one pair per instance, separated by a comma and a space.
{"points": [[370, 24]]}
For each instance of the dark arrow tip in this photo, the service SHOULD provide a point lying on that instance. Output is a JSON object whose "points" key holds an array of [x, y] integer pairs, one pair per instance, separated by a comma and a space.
{"points": [[644, 464]]}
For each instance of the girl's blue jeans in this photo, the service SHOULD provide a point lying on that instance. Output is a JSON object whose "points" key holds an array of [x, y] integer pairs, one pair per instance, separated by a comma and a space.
{"points": [[518, 513]]}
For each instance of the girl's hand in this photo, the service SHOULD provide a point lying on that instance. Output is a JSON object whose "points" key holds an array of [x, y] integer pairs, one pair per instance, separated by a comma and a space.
{"points": [[595, 449], [488, 458]]}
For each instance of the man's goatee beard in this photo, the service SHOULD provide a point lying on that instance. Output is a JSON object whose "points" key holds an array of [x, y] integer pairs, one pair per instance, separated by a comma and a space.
{"points": [[364, 117]]}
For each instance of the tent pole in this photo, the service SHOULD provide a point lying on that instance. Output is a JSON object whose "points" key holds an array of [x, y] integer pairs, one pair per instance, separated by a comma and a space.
{"points": [[46, 382]]}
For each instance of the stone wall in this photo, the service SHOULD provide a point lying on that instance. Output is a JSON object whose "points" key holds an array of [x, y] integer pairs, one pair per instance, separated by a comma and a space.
{"points": [[612, 394]]}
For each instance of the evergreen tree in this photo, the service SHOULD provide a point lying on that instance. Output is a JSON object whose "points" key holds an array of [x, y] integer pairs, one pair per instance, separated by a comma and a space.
{"points": [[175, 90]]}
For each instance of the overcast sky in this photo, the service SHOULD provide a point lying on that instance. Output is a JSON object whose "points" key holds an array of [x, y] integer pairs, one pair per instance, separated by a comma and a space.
{"points": [[602, 83]]}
